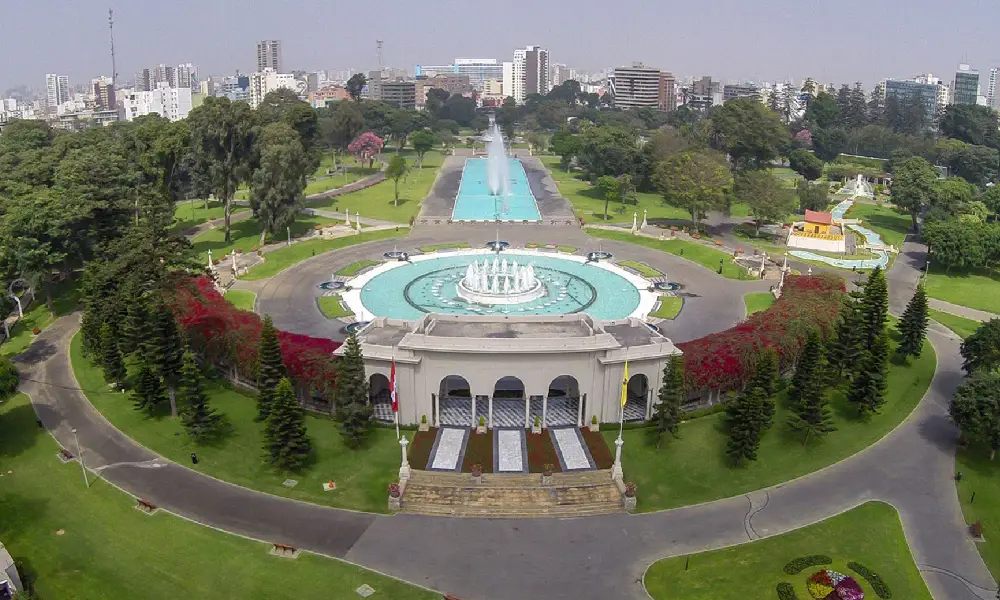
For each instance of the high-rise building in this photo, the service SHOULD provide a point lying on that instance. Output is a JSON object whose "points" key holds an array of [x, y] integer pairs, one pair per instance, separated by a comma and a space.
{"points": [[400, 94], [507, 80], [925, 93], [991, 89], [56, 90], [164, 74], [966, 89], [531, 72], [739, 90], [187, 75], [638, 86], [143, 80], [269, 55], [561, 73], [170, 102], [269, 80], [104, 93], [478, 70]]}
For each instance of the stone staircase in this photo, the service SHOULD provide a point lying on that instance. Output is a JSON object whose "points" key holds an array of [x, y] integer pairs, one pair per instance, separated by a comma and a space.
{"points": [[580, 494]]}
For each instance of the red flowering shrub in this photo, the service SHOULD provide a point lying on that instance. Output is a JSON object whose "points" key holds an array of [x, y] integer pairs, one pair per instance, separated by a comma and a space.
{"points": [[229, 337], [726, 359]]}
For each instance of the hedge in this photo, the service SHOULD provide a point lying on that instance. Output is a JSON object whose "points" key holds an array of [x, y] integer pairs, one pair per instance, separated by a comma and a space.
{"points": [[799, 564], [880, 588], [9, 378], [786, 591]]}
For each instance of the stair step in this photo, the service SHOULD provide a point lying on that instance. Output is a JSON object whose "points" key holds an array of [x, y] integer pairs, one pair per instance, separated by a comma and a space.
{"points": [[578, 510]]}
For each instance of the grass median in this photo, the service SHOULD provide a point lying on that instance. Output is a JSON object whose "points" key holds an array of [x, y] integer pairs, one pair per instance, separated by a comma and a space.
{"points": [[758, 301], [242, 299], [960, 325], [279, 260], [705, 256]]}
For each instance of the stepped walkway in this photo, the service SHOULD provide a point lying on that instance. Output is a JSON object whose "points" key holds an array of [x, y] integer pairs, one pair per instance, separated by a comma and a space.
{"points": [[582, 494]]}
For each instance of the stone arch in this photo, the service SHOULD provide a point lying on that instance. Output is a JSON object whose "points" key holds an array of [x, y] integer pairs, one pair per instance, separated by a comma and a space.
{"points": [[508, 406], [637, 398], [561, 406], [508, 387], [455, 404], [380, 397]]}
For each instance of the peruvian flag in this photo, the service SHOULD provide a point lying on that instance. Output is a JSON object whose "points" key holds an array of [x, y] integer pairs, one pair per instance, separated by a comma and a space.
{"points": [[392, 387]]}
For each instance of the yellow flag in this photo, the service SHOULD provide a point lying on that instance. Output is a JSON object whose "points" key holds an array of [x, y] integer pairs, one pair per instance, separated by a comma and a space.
{"points": [[625, 384]]}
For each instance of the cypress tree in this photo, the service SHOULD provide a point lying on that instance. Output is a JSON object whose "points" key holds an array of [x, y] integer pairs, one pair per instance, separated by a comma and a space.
{"points": [[667, 412], [136, 328], [165, 351], [747, 419], [149, 392], [810, 413], [765, 377], [867, 392], [844, 348], [352, 395], [874, 308], [807, 377], [200, 421], [913, 325], [111, 357], [270, 367], [285, 440]]}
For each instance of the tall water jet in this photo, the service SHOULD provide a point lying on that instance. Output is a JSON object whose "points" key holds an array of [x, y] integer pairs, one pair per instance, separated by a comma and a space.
{"points": [[497, 164]]}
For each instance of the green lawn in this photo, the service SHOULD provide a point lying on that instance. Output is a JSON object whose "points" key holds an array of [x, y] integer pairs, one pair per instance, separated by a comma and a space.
{"points": [[376, 202], [588, 203], [758, 301], [361, 475], [65, 298], [246, 234], [694, 467], [705, 256], [981, 476], [870, 535], [192, 213], [447, 246], [883, 220], [321, 182], [960, 325], [354, 267], [644, 270], [979, 289], [282, 258], [670, 307], [332, 308], [91, 544], [566, 249], [242, 299]]}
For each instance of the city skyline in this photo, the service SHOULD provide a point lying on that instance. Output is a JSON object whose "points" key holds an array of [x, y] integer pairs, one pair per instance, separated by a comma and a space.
{"points": [[785, 39]]}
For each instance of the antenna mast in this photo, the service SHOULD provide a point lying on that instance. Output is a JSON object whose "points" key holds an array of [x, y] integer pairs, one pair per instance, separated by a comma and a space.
{"points": [[378, 52], [111, 27]]}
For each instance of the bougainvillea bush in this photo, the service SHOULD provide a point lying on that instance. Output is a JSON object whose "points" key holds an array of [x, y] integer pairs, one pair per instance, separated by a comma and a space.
{"points": [[725, 360], [229, 337]]}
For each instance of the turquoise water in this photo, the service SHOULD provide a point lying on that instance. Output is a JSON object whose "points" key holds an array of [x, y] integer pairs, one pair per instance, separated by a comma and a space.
{"points": [[409, 291], [870, 236], [474, 202]]}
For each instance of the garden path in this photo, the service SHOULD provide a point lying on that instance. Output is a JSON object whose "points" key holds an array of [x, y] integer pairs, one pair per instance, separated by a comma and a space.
{"points": [[962, 311]]}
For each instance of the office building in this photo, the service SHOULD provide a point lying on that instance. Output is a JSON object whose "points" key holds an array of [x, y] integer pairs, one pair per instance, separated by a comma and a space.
{"points": [[451, 83], [703, 93], [269, 55], [269, 80], [169, 102], [104, 93], [640, 86], [56, 90], [476, 70], [531, 72], [903, 91], [739, 90], [235, 87], [943, 89], [966, 89], [561, 73], [400, 94]]}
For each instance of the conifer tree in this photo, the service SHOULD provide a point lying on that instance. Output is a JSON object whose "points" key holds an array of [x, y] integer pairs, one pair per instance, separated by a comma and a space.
{"points": [[352, 395], [90, 331], [913, 325], [200, 421], [137, 327], [270, 367], [149, 391], [874, 308], [111, 357], [765, 377], [808, 370], [867, 391], [667, 412], [164, 350], [747, 418], [285, 440], [810, 413], [844, 348]]}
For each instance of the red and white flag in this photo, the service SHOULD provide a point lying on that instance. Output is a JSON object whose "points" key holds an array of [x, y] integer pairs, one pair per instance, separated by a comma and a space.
{"points": [[392, 387]]}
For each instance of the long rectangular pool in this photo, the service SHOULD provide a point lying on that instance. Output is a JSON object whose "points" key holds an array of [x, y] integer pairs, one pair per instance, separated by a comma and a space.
{"points": [[474, 202]]}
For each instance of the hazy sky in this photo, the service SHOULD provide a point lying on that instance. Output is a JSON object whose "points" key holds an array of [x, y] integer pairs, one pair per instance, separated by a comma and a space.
{"points": [[830, 40]]}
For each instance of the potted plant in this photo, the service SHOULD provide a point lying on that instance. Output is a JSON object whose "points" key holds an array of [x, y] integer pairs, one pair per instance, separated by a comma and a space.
{"points": [[593, 427], [629, 496], [423, 423], [395, 496], [477, 473], [482, 425], [537, 426], [547, 469]]}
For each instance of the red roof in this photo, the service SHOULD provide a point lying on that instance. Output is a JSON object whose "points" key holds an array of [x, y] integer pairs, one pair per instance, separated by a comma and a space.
{"points": [[823, 218]]}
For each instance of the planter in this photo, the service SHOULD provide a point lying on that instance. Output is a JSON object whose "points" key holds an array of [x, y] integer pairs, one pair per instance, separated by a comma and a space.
{"points": [[480, 428], [546, 479], [477, 479], [629, 503], [395, 504], [424, 427], [536, 429], [594, 427]]}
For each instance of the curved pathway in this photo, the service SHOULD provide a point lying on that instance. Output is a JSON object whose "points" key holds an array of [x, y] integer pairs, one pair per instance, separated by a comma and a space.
{"points": [[599, 557]]}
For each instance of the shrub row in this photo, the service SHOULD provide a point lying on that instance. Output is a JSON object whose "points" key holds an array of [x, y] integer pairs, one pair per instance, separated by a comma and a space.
{"points": [[799, 564], [878, 586], [786, 591], [9, 378]]}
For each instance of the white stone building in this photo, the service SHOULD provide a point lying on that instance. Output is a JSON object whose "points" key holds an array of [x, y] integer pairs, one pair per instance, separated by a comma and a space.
{"points": [[170, 102]]}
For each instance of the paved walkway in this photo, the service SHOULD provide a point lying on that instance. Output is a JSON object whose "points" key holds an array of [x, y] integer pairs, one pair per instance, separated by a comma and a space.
{"points": [[962, 311]]}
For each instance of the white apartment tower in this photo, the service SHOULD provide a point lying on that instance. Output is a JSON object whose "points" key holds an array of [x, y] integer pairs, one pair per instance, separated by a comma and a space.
{"points": [[170, 102], [991, 89], [56, 89], [269, 55], [531, 72]]}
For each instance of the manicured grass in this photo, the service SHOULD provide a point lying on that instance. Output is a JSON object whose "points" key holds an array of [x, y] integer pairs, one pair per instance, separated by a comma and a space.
{"points": [[195, 212], [670, 307], [91, 544], [332, 307], [566, 249], [246, 234], [644, 270], [870, 535], [981, 476], [376, 202], [705, 256], [354, 267], [979, 288], [960, 325], [883, 220], [694, 467], [739, 209], [448, 246], [65, 298], [361, 475], [321, 182], [242, 299], [758, 301], [588, 203], [281, 259]]}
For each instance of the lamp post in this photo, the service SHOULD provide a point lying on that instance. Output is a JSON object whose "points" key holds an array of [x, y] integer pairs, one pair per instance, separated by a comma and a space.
{"points": [[79, 453], [404, 467]]}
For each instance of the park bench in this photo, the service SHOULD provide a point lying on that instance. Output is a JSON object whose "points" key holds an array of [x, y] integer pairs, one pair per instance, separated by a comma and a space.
{"points": [[144, 506], [284, 550]]}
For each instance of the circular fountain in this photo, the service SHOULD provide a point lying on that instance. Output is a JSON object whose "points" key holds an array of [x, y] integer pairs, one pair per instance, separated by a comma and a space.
{"points": [[499, 283]]}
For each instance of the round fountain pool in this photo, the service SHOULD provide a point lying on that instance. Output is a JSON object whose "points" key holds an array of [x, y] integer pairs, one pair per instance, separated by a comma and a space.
{"points": [[439, 283]]}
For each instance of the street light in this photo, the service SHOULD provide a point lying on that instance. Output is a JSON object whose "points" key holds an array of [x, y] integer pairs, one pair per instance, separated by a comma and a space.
{"points": [[79, 453]]}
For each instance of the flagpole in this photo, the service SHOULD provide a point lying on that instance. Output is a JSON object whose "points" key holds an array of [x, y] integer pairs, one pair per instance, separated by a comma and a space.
{"points": [[395, 396], [621, 418]]}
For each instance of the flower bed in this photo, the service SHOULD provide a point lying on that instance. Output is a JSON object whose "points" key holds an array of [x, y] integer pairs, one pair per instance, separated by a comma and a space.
{"points": [[541, 452], [831, 585], [878, 585], [479, 451], [599, 451], [420, 448], [725, 360], [229, 337]]}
